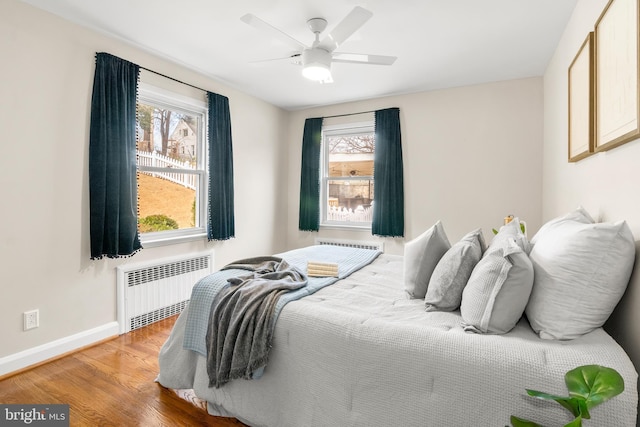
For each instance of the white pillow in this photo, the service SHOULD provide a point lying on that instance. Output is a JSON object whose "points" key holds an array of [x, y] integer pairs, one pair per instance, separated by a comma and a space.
{"points": [[421, 255], [581, 272], [498, 290], [580, 215], [453, 271]]}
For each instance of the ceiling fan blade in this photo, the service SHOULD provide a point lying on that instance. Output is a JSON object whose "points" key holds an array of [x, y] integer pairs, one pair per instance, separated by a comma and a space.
{"points": [[349, 25], [294, 59], [261, 25], [361, 58]]}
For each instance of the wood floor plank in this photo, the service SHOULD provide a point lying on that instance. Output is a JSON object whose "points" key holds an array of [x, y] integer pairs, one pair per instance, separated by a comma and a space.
{"points": [[111, 384]]}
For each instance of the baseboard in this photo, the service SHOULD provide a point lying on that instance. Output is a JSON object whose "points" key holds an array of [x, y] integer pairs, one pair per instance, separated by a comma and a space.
{"points": [[36, 355]]}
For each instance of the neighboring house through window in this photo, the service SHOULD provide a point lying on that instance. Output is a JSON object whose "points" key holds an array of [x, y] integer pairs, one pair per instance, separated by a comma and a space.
{"points": [[347, 187], [183, 139], [172, 166]]}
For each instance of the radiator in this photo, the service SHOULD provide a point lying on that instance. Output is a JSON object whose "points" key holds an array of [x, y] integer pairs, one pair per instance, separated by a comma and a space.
{"points": [[152, 291], [350, 243]]}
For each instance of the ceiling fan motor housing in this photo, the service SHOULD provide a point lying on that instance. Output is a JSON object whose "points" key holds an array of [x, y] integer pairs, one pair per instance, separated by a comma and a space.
{"points": [[316, 63], [315, 56]]}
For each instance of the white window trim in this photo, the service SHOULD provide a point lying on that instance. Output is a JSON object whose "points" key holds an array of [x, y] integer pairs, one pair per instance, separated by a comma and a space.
{"points": [[154, 95], [338, 129]]}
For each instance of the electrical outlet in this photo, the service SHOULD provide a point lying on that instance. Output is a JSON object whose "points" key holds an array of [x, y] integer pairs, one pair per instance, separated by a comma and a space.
{"points": [[31, 319]]}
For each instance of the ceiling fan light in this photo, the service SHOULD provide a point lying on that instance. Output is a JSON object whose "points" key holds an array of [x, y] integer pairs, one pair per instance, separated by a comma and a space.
{"points": [[316, 72], [316, 65]]}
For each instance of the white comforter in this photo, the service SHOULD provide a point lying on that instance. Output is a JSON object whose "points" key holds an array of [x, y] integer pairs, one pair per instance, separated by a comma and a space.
{"points": [[359, 353]]}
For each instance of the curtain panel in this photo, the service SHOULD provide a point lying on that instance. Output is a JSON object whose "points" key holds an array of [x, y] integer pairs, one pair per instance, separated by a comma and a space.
{"points": [[388, 207], [309, 212], [221, 220], [113, 194]]}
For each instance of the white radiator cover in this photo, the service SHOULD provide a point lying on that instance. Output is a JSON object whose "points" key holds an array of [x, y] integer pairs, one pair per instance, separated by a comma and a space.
{"points": [[151, 291], [350, 243]]}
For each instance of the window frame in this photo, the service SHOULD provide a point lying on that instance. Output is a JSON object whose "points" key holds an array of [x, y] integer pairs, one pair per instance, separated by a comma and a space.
{"points": [[159, 97], [351, 128]]}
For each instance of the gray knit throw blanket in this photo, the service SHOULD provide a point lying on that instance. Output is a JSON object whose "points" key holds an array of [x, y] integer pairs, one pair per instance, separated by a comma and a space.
{"points": [[241, 322]]}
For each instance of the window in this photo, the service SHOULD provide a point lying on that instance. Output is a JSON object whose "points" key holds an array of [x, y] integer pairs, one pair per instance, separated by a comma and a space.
{"points": [[347, 175], [172, 169]]}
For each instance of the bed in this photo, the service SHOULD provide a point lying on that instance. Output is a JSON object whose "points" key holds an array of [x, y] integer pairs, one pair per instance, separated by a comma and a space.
{"points": [[359, 352]]}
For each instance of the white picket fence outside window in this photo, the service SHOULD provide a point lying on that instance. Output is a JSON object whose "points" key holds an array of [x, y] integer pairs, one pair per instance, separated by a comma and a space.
{"points": [[155, 159], [360, 214]]}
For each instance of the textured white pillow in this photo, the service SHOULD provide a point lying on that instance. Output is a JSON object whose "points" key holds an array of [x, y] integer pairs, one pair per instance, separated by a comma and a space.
{"points": [[498, 290], [581, 272], [453, 271], [421, 255]]}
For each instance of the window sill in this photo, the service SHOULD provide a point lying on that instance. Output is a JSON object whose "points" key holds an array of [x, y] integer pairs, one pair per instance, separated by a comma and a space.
{"points": [[346, 227], [157, 241]]}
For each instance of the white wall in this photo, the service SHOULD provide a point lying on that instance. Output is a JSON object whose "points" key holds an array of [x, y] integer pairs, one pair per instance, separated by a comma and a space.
{"points": [[606, 184], [45, 92], [603, 183], [472, 155]]}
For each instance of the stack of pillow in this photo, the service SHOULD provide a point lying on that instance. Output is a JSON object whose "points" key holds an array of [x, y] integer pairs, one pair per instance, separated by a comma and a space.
{"points": [[567, 280]]}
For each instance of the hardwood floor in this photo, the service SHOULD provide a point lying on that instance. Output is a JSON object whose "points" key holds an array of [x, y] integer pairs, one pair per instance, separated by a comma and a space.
{"points": [[111, 384]]}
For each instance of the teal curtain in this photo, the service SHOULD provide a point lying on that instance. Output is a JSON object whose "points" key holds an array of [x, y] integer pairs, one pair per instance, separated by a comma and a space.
{"points": [[388, 206], [113, 191], [221, 220], [309, 215]]}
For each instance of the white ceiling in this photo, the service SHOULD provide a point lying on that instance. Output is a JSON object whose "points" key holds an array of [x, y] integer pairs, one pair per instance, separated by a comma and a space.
{"points": [[439, 43]]}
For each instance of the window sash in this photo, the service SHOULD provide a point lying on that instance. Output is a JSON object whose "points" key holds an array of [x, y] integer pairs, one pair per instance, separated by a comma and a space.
{"points": [[360, 128], [160, 98]]}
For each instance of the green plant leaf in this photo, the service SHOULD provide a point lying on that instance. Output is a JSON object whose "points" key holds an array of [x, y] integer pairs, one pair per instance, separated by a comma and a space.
{"points": [[494, 231], [570, 403], [575, 405], [594, 384], [545, 396], [584, 410], [588, 385], [575, 423], [519, 422]]}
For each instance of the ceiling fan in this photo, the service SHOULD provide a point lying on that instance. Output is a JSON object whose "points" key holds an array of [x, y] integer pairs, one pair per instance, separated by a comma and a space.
{"points": [[316, 59]]}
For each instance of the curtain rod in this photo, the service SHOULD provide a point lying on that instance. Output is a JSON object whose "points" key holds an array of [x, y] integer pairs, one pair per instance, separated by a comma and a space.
{"points": [[349, 114], [361, 112], [155, 72], [172, 78]]}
